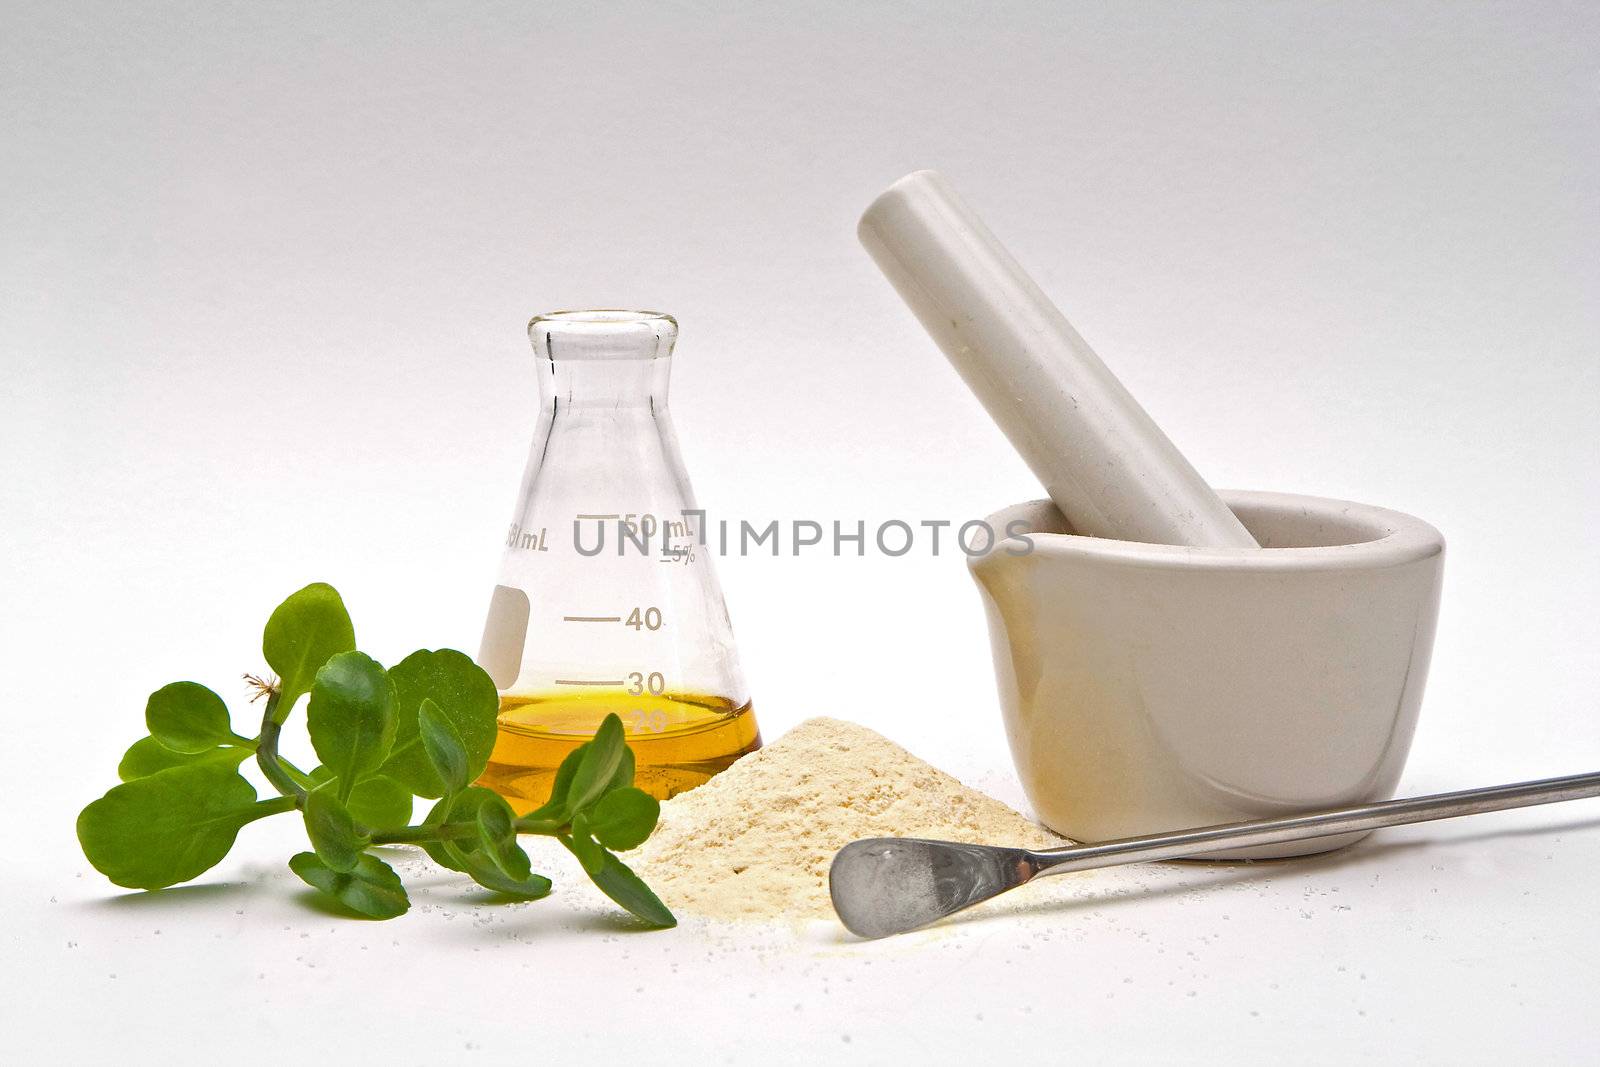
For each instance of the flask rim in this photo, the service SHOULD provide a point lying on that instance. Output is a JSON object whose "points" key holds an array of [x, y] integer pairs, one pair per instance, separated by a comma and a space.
{"points": [[602, 317], [603, 334]]}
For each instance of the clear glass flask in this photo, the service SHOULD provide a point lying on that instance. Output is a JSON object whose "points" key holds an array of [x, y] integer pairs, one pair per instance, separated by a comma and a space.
{"points": [[607, 600]]}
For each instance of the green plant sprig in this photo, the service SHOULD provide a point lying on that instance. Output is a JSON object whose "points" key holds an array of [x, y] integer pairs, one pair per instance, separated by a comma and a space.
{"points": [[422, 728]]}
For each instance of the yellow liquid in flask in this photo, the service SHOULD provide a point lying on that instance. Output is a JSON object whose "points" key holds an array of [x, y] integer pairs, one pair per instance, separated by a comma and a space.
{"points": [[679, 740]]}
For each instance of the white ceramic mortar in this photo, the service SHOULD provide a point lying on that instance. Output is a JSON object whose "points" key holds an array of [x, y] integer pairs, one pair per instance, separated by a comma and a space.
{"points": [[1158, 687]]}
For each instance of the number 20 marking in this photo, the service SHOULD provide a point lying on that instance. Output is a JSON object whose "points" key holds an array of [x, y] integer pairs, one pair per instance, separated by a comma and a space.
{"points": [[648, 721]]}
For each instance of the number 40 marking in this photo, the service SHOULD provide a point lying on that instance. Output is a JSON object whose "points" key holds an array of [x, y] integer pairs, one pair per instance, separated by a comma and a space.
{"points": [[644, 619]]}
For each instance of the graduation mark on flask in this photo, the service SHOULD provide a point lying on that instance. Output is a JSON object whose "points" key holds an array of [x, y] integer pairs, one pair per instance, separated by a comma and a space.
{"points": [[639, 619]]}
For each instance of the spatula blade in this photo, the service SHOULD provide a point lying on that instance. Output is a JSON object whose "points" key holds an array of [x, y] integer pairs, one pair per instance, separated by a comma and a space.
{"points": [[887, 885]]}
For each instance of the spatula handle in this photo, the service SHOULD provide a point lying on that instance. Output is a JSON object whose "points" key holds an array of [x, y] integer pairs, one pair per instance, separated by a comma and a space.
{"points": [[1198, 842]]}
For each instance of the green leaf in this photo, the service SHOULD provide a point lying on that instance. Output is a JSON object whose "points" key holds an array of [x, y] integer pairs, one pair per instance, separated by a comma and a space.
{"points": [[304, 632], [589, 853], [624, 818], [467, 697], [497, 834], [332, 831], [380, 803], [187, 717], [168, 827], [486, 873], [377, 803], [371, 889], [351, 717], [628, 889], [148, 756], [599, 765], [436, 849], [442, 742], [624, 776], [461, 809], [556, 807]]}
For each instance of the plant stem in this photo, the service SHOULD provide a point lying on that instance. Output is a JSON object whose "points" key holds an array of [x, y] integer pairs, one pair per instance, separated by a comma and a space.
{"points": [[274, 806], [410, 835], [296, 773], [267, 754]]}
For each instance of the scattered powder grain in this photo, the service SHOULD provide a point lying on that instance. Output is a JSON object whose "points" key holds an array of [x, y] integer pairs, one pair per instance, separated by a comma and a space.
{"points": [[755, 842]]}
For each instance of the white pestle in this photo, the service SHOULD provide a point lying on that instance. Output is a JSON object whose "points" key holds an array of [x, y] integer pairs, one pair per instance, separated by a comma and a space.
{"points": [[1103, 460]]}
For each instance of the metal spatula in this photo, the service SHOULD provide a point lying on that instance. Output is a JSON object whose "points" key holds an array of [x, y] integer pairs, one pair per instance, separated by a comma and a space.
{"points": [[888, 885]]}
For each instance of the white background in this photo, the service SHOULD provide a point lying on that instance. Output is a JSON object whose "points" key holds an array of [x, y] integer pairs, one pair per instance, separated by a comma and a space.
{"points": [[264, 271]]}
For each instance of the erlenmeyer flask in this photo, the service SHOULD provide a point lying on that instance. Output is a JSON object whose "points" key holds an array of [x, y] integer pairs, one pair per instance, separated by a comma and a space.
{"points": [[607, 601]]}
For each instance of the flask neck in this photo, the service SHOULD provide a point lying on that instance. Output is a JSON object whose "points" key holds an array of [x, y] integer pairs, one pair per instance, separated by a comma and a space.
{"points": [[610, 384], [604, 359]]}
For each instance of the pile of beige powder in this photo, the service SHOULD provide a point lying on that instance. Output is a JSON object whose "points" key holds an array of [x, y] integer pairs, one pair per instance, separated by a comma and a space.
{"points": [[755, 842]]}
